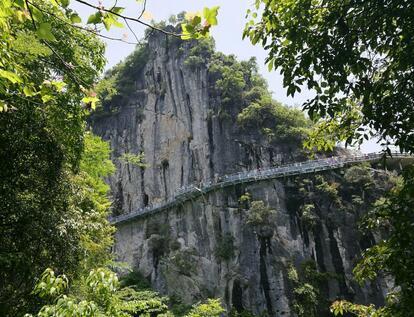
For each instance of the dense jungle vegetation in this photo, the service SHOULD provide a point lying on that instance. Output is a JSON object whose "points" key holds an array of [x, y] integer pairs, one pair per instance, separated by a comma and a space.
{"points": [[55, 238]]}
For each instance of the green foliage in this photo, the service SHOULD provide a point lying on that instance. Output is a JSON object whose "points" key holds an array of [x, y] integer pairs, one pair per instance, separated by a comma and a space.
{"points": [[177, 307], [134, 159], [231, 85], [200, 53], [230, 78], [102, 297], [246, 197], [225, 248], [305, 295], [360, 176], [259, 214], [365, 185], [325, 133], [318, 191], [95, 159], [244, 200], [354, 192], [45, 215], [135, 280], [393, 255], [91, 203], [279, 123], [194, 62], [50, 285], [198, 25], [327, 189], [53, 201], [183, 261], [308, 216], [239, 86], [72, 55], [175, 19], [212, 308], [106, 89], [342, 306], [389, 202], [307, 298], [119, 83], [349, 53]]}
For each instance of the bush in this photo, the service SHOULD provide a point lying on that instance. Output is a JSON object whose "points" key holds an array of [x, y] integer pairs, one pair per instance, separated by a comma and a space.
{"points": [[308, 217], [194, 62], [360, 176], [259, 214], [272, 119], [327, 189], [134, 159], [307, 299], [225, 248], [200, 53], [119, 82], [136, 280], [183, 261], [212, 308], [102, 296], [158, 236]]}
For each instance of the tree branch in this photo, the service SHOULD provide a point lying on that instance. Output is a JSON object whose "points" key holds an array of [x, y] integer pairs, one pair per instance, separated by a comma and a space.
{"points": [[129, 18], [81, 27], [69, 68]]}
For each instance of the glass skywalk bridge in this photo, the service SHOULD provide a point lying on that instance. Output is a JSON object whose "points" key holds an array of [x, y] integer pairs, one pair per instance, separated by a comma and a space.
{"points": [[190, 192]]}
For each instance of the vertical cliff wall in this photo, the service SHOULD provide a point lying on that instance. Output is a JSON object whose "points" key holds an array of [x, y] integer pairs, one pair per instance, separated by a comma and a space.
{"points": [[173, 109], [174, 115]]}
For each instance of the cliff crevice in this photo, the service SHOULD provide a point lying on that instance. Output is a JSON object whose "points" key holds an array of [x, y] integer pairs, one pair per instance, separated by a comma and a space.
{"points": [[197, 115]]}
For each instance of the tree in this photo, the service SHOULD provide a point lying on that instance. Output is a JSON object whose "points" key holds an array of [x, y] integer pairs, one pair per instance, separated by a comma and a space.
{"points": [[356, 56], [53, 202], [42, 83], [52, 216]]}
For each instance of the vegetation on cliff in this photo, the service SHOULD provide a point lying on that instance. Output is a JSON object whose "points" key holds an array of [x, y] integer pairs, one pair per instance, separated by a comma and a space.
{"points": [[355, 56], [243, 92], [237, 91]]}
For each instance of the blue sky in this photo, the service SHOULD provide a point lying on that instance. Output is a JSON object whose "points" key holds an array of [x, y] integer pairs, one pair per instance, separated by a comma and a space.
{"points": [[228, 37]]}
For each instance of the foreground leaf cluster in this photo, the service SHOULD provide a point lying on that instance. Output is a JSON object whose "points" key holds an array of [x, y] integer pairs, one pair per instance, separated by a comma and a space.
{"points": [[104, 296]]}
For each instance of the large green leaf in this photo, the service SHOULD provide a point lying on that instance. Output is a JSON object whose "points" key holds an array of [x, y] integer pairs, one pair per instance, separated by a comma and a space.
{"points": [[75, 18], [210, 14], [44, 32], [95, 18], [13, 77]]}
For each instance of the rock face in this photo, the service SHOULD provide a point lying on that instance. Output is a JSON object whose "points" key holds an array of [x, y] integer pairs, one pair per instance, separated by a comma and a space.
{"points": [[177, 251], [207, 248]]}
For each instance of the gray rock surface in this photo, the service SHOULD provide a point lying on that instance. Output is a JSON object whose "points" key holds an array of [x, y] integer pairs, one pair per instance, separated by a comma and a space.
{"points": [[170, 116]]}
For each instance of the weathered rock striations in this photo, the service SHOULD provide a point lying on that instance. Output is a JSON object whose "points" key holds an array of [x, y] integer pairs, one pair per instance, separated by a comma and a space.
{"points": [[172, 114]]}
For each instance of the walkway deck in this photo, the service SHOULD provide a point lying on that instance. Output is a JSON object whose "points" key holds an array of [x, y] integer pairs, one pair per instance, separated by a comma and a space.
{"points": [[190, 192]]}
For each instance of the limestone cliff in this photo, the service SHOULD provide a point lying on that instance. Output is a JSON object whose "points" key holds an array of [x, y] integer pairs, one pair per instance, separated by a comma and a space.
{"points": [[176, 112]]}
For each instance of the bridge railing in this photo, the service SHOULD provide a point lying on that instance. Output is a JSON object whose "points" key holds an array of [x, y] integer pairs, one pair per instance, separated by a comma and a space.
{"points": [[187, 192]]}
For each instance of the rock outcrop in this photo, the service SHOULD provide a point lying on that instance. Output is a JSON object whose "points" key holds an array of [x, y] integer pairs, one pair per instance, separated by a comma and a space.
{"points": [[208, 247]]}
